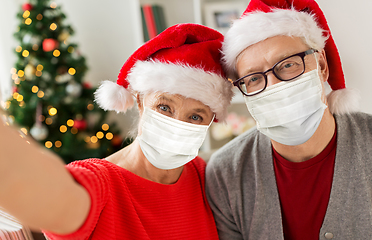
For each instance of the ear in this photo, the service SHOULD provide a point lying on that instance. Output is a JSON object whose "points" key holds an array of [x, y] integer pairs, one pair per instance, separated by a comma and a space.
{"points": [[323, 64], [139, 103]]}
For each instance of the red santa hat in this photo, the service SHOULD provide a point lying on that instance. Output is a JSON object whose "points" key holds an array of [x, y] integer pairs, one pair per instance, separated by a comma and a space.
{"points": [[184, 59], [299, 18]]}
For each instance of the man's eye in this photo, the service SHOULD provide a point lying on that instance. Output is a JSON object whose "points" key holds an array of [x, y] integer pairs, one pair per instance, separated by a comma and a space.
{"points": [[196, 118]]}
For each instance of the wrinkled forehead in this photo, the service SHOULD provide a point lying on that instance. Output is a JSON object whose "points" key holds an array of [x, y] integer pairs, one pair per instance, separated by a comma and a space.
{"points": [[271, 50]]}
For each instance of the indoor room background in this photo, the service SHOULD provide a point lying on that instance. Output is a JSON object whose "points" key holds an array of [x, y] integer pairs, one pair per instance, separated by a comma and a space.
{"points": [[107, 32]]}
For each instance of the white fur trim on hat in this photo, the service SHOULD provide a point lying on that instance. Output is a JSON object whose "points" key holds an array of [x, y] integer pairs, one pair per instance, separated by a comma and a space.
{"points": [[178, 78], [111, 96], [343, 101], [258, 26]]}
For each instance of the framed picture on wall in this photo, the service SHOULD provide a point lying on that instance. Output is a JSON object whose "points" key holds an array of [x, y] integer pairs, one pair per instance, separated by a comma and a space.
{"points": [[219, 15]]}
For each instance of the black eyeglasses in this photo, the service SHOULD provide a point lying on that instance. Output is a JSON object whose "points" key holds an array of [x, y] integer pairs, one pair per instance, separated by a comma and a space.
{"points": [[285, 70]]}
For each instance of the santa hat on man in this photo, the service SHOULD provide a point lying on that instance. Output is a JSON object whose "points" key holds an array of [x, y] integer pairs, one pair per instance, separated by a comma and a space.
{"points": [[299, 18], [184, 59]]}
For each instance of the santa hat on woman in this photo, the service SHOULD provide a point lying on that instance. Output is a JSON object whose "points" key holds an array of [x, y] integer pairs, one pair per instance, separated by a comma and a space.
{"points": [[184, 59], [298, 18]]}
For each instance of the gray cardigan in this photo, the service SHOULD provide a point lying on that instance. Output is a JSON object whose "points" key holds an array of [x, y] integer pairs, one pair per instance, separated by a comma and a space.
{"points": [[242, 191]]}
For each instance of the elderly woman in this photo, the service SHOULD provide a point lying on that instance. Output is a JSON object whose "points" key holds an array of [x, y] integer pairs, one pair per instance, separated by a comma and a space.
{"points": [[153, 188]]}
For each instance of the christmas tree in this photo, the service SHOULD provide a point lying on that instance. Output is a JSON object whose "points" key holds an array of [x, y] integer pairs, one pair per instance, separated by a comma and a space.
{"points": [[50, 101]]}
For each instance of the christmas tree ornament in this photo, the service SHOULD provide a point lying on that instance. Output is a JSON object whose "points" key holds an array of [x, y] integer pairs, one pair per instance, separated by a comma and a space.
{"points": [[63, 36], [64, 78], [27, 7], [81, 125], [46, 76], [50, 44], [87, 85], [30, 71], [26, 38], [116, 140], [74, 89], [39, 132], [31, 39]]}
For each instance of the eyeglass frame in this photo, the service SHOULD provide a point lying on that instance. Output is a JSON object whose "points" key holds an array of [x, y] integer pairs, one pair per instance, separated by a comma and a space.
{"points": [[301, 54]]}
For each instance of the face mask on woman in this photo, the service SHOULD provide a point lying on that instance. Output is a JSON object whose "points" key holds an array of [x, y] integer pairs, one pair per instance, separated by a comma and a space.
{"points": [[168, 143], [289, 112]]}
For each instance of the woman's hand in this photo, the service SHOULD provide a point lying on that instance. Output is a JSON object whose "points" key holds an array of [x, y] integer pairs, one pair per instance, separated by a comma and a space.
{"points": [[35, 186]]}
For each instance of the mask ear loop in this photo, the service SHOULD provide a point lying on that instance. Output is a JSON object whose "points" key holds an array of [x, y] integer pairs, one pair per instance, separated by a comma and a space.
{"points": [[214, 116]]}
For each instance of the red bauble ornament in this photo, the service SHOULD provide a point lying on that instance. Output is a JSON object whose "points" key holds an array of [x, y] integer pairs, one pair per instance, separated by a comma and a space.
{"points": [[116, 140], [27, 7], [80, 124], [49, 44], [15, 89], [87, 85]]}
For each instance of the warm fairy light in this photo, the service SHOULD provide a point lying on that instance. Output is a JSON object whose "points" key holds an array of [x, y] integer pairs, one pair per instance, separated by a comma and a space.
{"points": [[58, 144], [38, 73], [15, 95], [53, 26], [26, 14], [90, 107], [15, 76], [100, 135], [19, 98], [56, 53], [105, 127], [53, 5], [94, 139], [40, 94], [25, 53], [39, 16], [74, 130], [72, 71], [17, 81], [41, 118], [19, 49], [87, 139], [48, 144], [52, 111], [70, 49], [35, 89], [49, 121], [24, 130], [13, 70], [21, 73], [39, 67], [22, 104], [35, 47], [7, 104], [70, 123], [28, 21], [109, 136], [63, 129]]}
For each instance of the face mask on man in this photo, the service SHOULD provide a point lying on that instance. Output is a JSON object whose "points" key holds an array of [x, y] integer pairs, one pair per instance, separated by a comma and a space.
{"points": [[289, 112], [168, 143]]}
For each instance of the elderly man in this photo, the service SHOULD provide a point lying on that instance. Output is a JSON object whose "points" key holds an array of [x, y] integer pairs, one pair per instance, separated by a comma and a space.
{"points": [[305, 172]]}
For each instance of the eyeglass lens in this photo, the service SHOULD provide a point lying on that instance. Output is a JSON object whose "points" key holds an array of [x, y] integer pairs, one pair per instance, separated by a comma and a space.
{"points": [[284, 70]]}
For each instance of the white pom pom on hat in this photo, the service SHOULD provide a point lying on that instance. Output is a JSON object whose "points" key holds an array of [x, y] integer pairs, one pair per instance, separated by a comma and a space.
{"points": [[299, 18], [184, 59]]}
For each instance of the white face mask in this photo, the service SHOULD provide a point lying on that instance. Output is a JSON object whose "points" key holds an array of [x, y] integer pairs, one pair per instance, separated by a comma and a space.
{"points": [[289, 112], [169, 143]]}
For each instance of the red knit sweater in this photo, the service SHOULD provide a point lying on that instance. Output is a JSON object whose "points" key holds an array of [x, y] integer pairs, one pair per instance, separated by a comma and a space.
{"points": [[126, 206]]}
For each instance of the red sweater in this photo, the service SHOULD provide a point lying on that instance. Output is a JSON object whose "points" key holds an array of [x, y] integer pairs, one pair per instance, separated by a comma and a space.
{"points": [[126, 206], [304, 190]]}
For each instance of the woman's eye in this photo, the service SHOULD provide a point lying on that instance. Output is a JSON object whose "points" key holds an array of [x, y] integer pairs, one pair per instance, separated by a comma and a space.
{"points": [[164, 108]]}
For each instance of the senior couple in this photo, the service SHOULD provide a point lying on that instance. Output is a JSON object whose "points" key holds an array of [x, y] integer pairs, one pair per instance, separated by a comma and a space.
{"points": [[305, 171]]}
